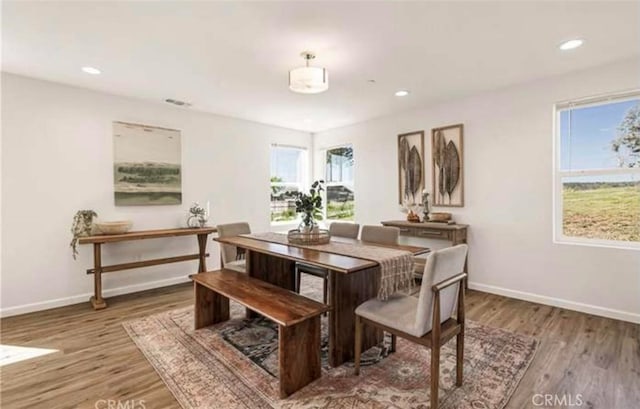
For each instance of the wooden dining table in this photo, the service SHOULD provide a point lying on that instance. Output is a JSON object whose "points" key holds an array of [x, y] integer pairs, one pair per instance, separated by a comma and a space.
{"points": [[352, 281]]}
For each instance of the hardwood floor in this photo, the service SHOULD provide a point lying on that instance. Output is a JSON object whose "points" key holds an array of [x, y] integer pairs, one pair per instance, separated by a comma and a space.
{"points": [[580, 356]]}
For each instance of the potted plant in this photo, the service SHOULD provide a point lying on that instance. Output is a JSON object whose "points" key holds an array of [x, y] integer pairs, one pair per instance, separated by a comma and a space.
{"points": [[81, 227], [198, 215], [310, 205]]}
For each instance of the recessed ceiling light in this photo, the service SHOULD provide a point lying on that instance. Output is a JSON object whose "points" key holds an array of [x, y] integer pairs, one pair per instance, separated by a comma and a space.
{"points": [[402, 93], [571, 44], [91, 70]]}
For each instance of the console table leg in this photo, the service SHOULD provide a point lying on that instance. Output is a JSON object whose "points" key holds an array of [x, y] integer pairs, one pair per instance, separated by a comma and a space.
{"points": [[460, 237], [97, 301], [202, 247]]}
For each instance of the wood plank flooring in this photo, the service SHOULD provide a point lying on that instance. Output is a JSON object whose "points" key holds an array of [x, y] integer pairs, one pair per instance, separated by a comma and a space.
{"points": [[597, 358]]}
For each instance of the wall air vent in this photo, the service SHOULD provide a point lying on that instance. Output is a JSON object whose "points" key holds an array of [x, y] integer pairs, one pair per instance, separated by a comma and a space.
{"points": [[177, 102]]}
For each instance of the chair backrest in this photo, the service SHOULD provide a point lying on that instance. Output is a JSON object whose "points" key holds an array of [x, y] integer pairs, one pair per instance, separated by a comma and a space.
{"points": [[440, 265], [380, 234], [348, 230], [227, 251]]}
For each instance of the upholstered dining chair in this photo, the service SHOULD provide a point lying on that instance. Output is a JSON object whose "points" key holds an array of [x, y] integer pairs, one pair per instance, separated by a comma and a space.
{"points": [[336, 229], [426, 320], [232, 257], [380, 234]]}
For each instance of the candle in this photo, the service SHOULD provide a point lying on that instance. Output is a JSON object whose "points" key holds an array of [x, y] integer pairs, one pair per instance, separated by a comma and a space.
{"points": [[207, 213]]}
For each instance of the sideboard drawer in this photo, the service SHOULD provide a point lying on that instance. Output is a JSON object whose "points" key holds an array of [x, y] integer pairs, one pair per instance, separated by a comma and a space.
{"points": [[433, 234], [405, 231], [426, 233]]}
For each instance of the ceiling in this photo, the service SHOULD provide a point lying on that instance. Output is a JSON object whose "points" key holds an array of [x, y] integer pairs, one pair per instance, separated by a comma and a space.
{"points": [[232, 58]]}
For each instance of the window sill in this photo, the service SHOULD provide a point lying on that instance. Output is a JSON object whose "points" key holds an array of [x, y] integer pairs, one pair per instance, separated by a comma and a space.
{"points": [[610, 244]]}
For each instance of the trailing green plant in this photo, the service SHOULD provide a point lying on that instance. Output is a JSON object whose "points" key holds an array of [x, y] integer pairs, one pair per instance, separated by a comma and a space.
{"points": [[310, 205], [81, 227]]}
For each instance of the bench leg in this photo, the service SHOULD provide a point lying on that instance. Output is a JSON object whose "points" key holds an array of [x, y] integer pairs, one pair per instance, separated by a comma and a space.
{"points": [[210, 307], [299, 353]]}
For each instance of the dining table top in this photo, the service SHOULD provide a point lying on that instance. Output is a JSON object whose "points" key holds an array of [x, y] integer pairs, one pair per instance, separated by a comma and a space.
{"points": [[319, 258]]}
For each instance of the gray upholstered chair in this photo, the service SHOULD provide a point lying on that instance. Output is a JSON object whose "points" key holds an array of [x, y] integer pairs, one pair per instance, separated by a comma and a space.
{"points": [[426, 320], [336, 229], [232, 257], [380, 234]]}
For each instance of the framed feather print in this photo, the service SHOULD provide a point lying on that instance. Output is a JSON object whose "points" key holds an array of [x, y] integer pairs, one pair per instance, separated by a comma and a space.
{"points": [[447, 168], [410, 167]]}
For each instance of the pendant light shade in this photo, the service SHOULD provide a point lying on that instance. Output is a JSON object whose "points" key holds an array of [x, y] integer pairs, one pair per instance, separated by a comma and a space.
{"points": [[308, 80]]}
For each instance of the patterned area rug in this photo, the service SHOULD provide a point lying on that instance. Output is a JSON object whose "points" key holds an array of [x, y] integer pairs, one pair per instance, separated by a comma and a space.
{"points": [[257, 339], [234, 365]]}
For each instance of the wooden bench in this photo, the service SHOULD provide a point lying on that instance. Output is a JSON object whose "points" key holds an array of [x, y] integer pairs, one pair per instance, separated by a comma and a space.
{"points": [[298, 319]]}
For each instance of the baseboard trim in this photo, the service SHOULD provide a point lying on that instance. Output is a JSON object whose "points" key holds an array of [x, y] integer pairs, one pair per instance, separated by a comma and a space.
{"points": [[81, 298], [520, 295], [558, 302]]}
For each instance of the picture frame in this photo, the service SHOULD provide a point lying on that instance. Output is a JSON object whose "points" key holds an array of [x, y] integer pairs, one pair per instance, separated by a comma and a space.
{"points": [[147, 165], [447, 166], [411, 166]]}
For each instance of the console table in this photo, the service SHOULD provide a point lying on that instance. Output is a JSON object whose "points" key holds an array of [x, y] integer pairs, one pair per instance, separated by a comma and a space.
{"points": [[98, 269], [455, 233]]}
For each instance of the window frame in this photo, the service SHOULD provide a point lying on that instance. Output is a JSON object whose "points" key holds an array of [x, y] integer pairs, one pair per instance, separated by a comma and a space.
{"points": [[558, 174], [328, 183], [301, 184]]}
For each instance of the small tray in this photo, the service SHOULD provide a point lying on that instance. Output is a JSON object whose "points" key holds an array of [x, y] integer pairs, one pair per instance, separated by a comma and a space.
{"points": [[320, 236]]}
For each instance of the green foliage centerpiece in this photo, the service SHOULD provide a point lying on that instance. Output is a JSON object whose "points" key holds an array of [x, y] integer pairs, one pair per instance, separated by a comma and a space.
{"points": [[310, 206]]}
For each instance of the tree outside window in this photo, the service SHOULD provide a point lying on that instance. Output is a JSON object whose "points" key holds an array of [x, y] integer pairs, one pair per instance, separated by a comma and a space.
{"points": [[339, 183]]}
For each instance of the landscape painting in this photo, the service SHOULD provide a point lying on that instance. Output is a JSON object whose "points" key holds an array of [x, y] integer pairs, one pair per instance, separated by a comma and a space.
{"points": [[447, 168], [147, 165]]}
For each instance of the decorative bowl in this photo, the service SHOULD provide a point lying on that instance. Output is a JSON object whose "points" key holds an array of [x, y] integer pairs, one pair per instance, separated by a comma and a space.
{"points": [[318, 236], [116, 227], [440, 217]]}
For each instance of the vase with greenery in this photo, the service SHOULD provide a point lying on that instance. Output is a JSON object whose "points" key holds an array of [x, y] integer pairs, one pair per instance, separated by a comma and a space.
{"points": [[198, 215], [310, 206]]}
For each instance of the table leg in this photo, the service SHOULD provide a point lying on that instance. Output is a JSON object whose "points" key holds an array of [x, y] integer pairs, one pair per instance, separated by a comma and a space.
{"points": [[97, 301], [202, 249], [460, 237], [347, 292], [275, 270]]}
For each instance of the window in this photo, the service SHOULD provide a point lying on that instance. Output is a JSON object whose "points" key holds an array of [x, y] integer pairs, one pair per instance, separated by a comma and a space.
{"points": [[339, 183], [597, 172], [288, 175]]}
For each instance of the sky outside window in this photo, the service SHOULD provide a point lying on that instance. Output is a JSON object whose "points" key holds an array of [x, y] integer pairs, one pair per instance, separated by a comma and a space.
{"points": [[287, 164], [586, 135]]}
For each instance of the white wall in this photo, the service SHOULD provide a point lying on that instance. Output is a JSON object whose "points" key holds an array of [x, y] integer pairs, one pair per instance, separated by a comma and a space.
{"points": [[508, 191], [57, 158]]}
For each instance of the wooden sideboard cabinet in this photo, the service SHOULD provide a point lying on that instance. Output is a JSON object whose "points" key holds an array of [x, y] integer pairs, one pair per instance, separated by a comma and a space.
{"points": [[455, 233]]}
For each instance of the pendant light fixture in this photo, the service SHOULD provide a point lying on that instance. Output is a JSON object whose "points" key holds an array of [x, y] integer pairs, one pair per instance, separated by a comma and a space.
{"points": [[308, 80]]}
